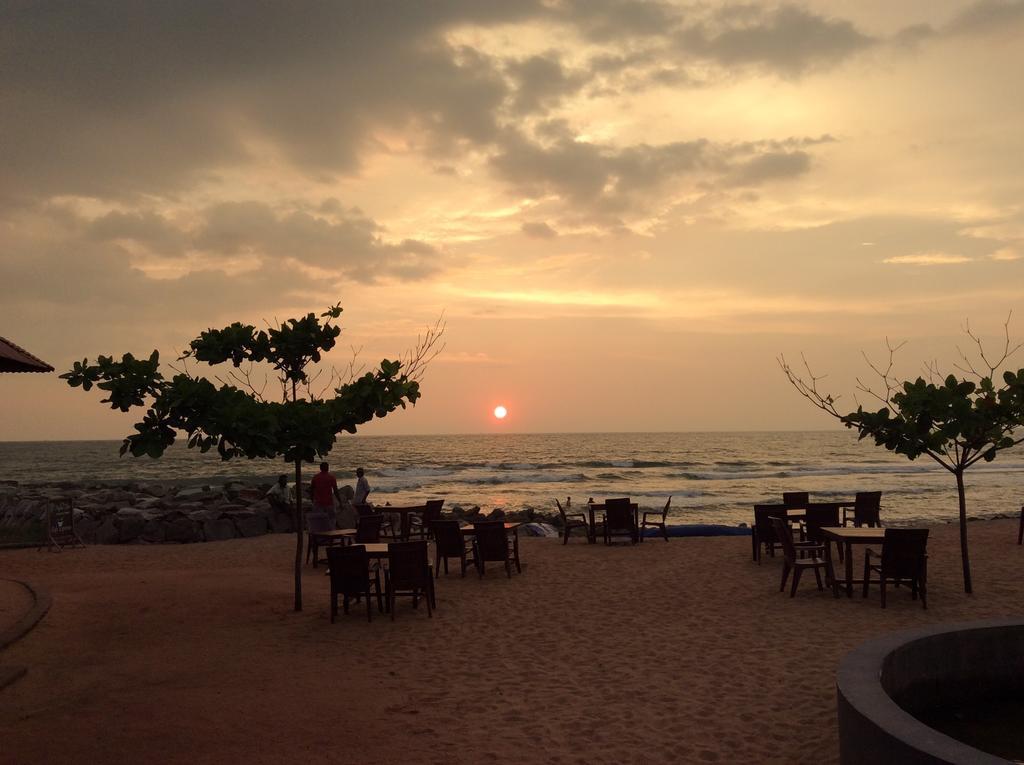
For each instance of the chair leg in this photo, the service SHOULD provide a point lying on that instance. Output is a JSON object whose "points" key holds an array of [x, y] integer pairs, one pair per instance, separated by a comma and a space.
{"points": [[867, 574], [817, 576], [785, 576], [797, 572], [508, 567], [565, 534], [881, 587], [430, 610], [1020, 531], [369, 605], [334, 606], [664, 530]]}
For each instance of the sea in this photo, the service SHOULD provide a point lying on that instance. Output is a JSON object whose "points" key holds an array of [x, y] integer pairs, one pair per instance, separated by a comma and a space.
{"points": [[711, 477]]}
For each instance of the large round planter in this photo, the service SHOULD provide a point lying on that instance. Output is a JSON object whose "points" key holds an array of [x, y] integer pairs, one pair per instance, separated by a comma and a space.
{"points": [[882, 684]]}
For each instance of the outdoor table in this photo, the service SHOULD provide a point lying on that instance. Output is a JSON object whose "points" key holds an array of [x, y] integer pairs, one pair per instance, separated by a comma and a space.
{"points": [[329, 538], [592, 506], [848, 536], [380, 551]]}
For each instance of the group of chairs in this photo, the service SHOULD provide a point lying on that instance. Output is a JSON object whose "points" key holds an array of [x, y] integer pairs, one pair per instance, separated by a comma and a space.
{"points": [[618, 519], [356, 574], [903, 557]]}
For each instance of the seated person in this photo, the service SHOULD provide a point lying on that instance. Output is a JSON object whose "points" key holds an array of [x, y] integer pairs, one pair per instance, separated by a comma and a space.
{"points": [[281, 496]]}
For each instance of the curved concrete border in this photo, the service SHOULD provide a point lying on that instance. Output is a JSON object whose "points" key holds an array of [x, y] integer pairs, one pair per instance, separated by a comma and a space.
{"points": [[41, 604], [873, 728]]}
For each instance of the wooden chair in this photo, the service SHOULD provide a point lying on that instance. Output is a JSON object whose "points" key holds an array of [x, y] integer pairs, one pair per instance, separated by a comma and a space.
{"points": [[763, 533], [619, 520], [572, 521], [655, 523], [408, 574], [815, 560], [421, 525], [315, 522], [795, 500], [492, 542], [449, 542], [864, 510], [368, 529], [351, 578], [818, 514], [904, 559]]}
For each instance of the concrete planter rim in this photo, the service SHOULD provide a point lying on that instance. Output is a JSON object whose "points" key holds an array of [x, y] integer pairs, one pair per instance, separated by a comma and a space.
{"points": [[859, 682]]}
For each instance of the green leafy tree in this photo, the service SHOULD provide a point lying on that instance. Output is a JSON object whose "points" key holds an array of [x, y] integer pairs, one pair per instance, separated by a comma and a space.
{"points": [[956, 422], [235, 418]]}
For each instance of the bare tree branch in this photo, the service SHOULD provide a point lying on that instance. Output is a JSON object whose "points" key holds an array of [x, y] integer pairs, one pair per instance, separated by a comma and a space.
{"points": [[428, 346]]}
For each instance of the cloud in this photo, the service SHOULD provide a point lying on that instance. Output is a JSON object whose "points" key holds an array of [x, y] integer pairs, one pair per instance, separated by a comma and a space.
{"points": [[928, 259], [604, 179], [1006, 253], [539, 230], [789, 40]]}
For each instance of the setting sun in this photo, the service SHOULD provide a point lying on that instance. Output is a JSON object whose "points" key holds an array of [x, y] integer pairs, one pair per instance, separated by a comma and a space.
{"points": [[500, 412]]}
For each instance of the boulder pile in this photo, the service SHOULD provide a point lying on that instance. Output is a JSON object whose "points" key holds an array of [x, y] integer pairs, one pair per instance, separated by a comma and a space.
{"points": [[154, 513]]}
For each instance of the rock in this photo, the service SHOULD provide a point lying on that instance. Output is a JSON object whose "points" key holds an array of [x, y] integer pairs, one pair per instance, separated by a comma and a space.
{"points": [[235, 508], [107, 532], [86, 527], [193, 492], [251, 526], [130, 528], [250, 494], [221, 528], [154, 531], [497, 514], [203, 515], [150, 502], [181, 530], [281, 523]]}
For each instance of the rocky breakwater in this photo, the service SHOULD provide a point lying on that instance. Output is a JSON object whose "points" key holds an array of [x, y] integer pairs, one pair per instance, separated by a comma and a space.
{"points": [[154, 513], [142, 513]]}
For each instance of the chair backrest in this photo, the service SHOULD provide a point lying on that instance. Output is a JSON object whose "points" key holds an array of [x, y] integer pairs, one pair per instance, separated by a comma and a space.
{"points": [[407, 564], [795, 499], [365, 510], [318, 522], [432, 512], [866, 506], [368, 528], [664, 512], [763, 515], [784, 534], [903, 552], [561, 510], [618, 513], [350, 568], [448, 537], [491, 540], [818, 514]]}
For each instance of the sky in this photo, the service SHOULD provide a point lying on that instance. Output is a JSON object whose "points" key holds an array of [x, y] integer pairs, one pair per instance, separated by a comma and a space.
{"points": [[625, 211]]}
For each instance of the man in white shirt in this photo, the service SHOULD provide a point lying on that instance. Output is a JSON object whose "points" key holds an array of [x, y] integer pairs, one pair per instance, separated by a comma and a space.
{"points": [[362, 487], [281, 496]]}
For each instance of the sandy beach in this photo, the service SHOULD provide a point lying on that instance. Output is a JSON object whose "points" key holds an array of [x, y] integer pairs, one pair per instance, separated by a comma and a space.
{"points": [[678, 652]]}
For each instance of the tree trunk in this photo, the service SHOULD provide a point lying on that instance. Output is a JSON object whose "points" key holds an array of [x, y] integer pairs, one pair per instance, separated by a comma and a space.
{"points": [[299, 526], [964, 557]]}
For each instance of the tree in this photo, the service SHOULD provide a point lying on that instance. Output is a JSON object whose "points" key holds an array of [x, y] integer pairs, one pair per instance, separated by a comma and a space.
{"points": [[957, 422], [240, 422]]}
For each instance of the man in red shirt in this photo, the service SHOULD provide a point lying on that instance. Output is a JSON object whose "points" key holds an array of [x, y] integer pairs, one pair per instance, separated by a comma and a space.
{"points": [[324, 488]]}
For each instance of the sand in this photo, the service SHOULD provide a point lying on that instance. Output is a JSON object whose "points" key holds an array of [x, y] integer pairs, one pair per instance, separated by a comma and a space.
{"points": [[678, 652]]}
